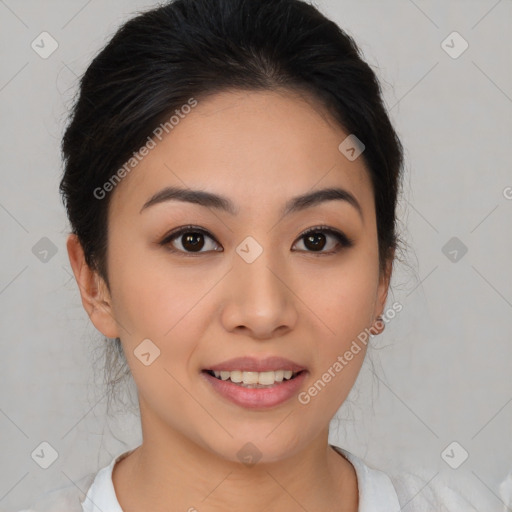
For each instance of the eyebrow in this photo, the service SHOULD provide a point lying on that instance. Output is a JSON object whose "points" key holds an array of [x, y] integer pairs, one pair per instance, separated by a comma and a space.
{"points": [[219, 202]]}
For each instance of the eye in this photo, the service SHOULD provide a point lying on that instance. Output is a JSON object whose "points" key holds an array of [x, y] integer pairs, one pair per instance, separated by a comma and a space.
{"points": [[190, 238], [315, 239]]}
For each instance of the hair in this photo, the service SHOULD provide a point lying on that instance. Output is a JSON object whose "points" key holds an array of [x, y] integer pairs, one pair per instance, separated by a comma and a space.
{"points": [[184, 49]]}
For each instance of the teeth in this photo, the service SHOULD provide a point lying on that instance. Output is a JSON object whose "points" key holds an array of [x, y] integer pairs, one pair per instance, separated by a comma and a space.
{"points": [[235, 376], [250, 377], [254, 378], [265, 378]]}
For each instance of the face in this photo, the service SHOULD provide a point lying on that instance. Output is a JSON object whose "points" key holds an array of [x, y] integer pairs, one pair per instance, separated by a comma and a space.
{"points": [[204, 285]]}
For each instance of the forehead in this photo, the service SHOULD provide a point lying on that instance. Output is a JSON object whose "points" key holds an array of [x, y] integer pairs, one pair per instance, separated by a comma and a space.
{"points": [[259, 148]]}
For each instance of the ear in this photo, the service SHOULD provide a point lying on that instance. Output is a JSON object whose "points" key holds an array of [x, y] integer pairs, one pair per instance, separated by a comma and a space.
{"points": [[93, 290], [378, 324], [383, 288]]}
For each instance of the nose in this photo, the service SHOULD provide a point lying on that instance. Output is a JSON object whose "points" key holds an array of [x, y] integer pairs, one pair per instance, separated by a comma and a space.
{"points": [[260, 298]]}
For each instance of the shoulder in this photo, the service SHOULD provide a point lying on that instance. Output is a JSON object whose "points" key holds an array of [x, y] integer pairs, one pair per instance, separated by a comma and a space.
{"points": [[93, 491], [421, 491], [68, 498], [441, 491]]}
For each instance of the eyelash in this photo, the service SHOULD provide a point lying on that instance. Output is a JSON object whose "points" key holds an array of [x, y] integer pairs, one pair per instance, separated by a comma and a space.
{"points": [[342, 239]]}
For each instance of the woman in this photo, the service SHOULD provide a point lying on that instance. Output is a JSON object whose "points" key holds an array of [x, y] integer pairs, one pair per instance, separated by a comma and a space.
{"points": [[231, 179]]}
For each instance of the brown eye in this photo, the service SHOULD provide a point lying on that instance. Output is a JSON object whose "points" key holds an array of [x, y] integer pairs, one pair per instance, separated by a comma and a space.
{"points": [[317, 238], [192, 241], [315, 241], [189, 240]]}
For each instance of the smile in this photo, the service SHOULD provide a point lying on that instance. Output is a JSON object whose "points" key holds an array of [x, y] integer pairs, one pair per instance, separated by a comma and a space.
{"points": [[250, 379]]}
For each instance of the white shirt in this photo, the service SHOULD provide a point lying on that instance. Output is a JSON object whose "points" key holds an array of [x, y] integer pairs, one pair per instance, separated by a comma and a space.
{"points": [[378, 492]]}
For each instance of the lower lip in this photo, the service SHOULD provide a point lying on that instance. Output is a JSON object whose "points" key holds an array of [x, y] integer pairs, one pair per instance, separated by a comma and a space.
{"points": [[257, 398]]}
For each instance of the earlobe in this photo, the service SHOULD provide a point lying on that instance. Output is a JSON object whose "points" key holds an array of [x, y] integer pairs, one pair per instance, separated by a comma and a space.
{"points": [[378, 326], [96, 299]]}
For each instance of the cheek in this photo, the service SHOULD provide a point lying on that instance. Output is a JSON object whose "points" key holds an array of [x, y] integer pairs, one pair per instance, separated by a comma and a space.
{"points": [[344, 311], [164, 303], [343, 296], [342, 301], [154, 294], [159, 304]]}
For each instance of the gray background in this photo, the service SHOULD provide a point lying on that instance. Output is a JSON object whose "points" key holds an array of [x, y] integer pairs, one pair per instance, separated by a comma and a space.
{"points": [[441, 369]]}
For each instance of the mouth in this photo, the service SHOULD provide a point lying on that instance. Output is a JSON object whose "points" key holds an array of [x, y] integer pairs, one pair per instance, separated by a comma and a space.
{"points": [[255, 380]]}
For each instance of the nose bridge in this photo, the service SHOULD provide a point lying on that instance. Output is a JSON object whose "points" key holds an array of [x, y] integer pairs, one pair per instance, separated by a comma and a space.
{"points": [[252, 266], [259, 298]]}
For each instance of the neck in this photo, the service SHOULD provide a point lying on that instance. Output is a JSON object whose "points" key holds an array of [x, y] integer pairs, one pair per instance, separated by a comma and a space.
{"points": [[170, 469]]}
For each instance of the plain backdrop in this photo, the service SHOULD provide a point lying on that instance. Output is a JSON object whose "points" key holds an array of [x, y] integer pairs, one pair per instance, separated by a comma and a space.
{"points": [[441, 371]]}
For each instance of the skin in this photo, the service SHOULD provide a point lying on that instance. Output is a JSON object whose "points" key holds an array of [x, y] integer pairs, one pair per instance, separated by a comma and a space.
{"points": [[259, 149]]}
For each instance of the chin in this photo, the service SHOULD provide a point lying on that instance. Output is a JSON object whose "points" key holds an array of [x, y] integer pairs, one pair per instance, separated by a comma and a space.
{"points": [[260, 447]]}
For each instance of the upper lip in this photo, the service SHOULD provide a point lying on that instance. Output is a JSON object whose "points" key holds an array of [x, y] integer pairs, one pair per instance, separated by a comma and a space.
{"points": [[253, 364]]}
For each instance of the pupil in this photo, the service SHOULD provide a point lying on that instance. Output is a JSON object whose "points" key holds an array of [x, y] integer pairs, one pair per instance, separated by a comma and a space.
{"points": [[314, 239], [191, 238]]}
